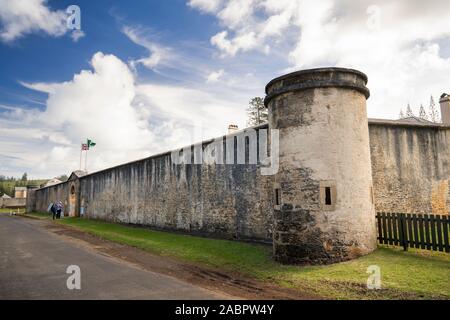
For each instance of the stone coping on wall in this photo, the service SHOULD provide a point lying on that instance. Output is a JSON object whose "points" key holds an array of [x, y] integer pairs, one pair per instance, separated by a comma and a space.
{"points": [[204, 142], [403, 123], [371, 121]]}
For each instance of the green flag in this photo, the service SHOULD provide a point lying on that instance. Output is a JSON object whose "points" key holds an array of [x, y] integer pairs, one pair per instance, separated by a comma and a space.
{"points": [[90, 143]]}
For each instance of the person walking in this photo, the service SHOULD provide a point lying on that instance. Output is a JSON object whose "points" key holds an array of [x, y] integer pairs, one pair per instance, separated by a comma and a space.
{"points": [[53, 210], [59, 207]]}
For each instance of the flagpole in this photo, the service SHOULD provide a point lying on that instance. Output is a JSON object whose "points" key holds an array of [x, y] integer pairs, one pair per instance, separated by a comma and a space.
{"points": [[81, 154], [85, 161]]}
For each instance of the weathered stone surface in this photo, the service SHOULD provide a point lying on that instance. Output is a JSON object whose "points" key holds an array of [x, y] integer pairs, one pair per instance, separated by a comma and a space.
{"points": [[31, 198], [411, 168], [67, 192], [231, 201], [323, 138], [12, 202], [325, 156]]}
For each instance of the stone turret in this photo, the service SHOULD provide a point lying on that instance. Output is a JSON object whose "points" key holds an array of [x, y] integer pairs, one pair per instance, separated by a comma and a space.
{"points": [[323, 207]]}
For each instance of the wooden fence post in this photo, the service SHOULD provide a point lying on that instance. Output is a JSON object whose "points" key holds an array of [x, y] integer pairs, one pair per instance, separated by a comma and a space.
{"points": [[403, 231]]}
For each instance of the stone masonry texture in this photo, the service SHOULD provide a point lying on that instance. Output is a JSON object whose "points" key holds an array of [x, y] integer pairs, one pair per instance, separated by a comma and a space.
{"points": [[324, 141], [410, 168], [230, 201], [326, 144]]}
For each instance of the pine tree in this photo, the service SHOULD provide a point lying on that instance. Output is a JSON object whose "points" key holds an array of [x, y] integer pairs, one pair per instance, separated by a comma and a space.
{"points": [[257, 112], [434, 115], [409, 112], [422, 113], [401, 115]]}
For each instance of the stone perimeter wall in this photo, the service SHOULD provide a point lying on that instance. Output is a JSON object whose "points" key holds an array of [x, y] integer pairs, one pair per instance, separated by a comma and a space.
{"points": [[410, 168], [317, 206], [410, 171], [12, 202], [44, 196], [229, 201]]}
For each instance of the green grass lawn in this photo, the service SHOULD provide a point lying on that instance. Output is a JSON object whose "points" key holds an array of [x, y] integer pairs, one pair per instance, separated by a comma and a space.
{"points": [[414, 274], [6, 210]]}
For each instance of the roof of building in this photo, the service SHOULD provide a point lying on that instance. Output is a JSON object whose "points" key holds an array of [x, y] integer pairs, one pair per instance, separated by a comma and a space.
{"points": [[52, 182], [20, 188], [73, 176], [79, 173], [5, 196]]}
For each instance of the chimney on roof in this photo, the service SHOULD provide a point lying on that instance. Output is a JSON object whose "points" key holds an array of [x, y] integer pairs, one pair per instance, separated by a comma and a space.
{"points": [[445, 108], [232, 128]]}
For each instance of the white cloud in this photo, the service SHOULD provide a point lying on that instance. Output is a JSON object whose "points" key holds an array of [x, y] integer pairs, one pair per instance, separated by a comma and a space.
{"points": [[245, 29], [215, 76], [243, 42], [127, 120], [237, 13], [206, 5], [96, 104], [395, 42], [400, 55], [157, 54], [40, 86], [186, 115], [20, 17]]}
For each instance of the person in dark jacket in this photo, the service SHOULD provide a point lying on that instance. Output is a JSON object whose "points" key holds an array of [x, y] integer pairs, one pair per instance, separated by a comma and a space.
{"points": [[53, 210]]}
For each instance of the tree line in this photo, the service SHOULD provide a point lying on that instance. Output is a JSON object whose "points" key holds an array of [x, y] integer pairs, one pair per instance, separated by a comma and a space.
{"points": [[8, 184]]}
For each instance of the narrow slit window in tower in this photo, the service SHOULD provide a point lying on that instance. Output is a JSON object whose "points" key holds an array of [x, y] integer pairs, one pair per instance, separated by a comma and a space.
{"points": [[277, 196], [328, 196]]}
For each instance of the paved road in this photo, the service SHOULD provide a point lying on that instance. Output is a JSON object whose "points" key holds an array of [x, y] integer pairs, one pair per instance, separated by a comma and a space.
{"points": [[33, 265]]}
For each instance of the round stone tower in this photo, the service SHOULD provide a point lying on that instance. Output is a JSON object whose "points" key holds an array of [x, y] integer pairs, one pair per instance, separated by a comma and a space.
{"points": [[323, 198]]}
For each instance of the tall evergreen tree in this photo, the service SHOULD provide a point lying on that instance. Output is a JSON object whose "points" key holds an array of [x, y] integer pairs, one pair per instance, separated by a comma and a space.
{"points": [[433, 112], [409, 112], [257, 112], [422, 113], [401, 115]]}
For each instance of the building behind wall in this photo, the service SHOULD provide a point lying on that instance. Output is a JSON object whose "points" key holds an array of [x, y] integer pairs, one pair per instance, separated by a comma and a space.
{"points": [[335, 170], [20, 192], [17, 202]]}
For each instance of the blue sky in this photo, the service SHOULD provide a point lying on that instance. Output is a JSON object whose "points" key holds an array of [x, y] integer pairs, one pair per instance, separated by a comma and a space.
{"points": [[38, 57], [148, 76]]}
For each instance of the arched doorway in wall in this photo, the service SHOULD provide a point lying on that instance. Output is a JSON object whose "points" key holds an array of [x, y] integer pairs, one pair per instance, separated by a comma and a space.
{"points": [[72, 201]]}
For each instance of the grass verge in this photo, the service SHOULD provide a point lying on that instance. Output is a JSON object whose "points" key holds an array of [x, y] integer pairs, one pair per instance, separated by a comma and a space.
{"points": [[15, 210], [415, 274]]}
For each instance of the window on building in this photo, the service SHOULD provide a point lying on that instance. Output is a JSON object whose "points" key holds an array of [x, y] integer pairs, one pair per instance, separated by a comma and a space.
{"points": [[328, 195]]}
